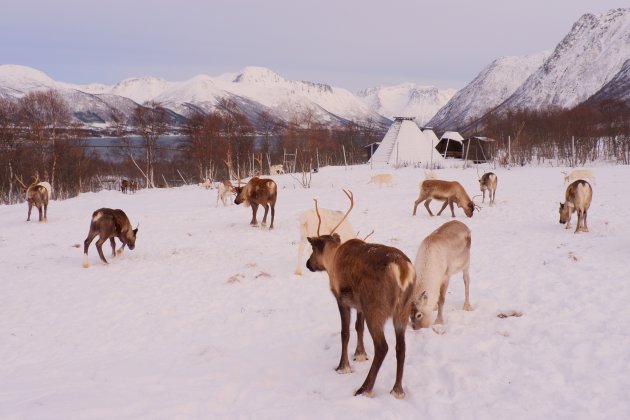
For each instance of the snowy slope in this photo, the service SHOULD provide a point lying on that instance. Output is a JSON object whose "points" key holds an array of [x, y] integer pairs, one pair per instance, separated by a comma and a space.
{"points": [[491, 87], [204, 319], [591, 54], [618, 88], [407, 100]]}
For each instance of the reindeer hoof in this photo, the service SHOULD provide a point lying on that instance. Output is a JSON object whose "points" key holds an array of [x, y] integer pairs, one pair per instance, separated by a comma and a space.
{"points": [[343, 370], [360, 357], [399, 395], [366, 393], [298, 272], [468, 307]]}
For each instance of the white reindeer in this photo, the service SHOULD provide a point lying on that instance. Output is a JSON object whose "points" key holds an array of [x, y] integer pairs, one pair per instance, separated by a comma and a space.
{"points": [[444, 252], [577, 174], [224, 192], [308, 228], [382, 180]]}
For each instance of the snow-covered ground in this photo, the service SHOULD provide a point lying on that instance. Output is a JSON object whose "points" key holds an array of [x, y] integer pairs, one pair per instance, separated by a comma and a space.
{"points": [[205, 319]]}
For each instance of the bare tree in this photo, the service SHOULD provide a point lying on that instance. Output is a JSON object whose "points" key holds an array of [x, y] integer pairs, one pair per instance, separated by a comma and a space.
{"points": [[150, 121]]}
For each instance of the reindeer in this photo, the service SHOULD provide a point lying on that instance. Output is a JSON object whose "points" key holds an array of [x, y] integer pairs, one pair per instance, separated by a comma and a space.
{"points": [[124, 186], [376, 280], [37, 194], [276, 169], [133, 186], [109, 224], [329, 220], [224, 191], [577, 197], [444, 252], [448, 191], [258, 191], [382, 180], [577, 174], [488, 181]]}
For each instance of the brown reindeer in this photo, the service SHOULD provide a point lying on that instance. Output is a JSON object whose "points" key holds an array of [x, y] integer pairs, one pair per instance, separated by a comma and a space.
{"points": [[133, 186], [448, 191], [37, 194], [376, 280], [488, 181], [577, 197], [109, 224], [124, 186], [257, 192]]}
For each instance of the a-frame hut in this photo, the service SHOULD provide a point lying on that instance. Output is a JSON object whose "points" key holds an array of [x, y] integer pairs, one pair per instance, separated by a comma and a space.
{"points": [[451, 145], [404, 144]]}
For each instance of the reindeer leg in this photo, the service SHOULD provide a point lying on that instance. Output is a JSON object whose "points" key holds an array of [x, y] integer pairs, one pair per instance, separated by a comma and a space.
{"points": [[360, 355], [467, 305], [400, 327], [441, 299], [584, 226], [99, 248], [380, 350], [30, 207], [450, 204], [39, 210], [273, 215], [426, 205], [420, 199], [254, 222], [45, 211], [579, 221], [86, 245], [344, 362], [443, 207], [569, 219], [121, 249], [298, 270], [264, 220], [113, 244], [483, 198]]}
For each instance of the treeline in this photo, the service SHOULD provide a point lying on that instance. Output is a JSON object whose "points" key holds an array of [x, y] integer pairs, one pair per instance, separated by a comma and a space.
{"points": [[39, 140], [571, 137]]}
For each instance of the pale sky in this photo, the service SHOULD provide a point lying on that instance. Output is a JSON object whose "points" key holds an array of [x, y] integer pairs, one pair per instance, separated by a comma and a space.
{"points": [[346, 43]]}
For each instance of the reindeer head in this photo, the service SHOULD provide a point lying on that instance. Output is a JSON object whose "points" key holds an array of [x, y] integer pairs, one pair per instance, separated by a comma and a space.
{"points": [[420, 315], [131, 237], [470, 207], [322, 243], [565, 212]]}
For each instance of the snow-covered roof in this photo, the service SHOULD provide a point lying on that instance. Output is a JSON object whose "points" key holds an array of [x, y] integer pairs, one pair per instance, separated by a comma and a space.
{"points": [[452, 135]]}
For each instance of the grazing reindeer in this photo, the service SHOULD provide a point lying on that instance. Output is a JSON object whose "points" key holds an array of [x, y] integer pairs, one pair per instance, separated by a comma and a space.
{"points": [[257, 192], [379, 282], [276, 169], [224, 192], [109, 224], [124, 186], [577, 174], [329, 220], [133, 186], [448, 191], [382, 180], [488, 181], [37, 194], [444, 252], [577, 197]]}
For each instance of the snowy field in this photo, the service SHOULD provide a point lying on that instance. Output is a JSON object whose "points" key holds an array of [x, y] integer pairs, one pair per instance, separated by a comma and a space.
{"points": [[205, 318]]}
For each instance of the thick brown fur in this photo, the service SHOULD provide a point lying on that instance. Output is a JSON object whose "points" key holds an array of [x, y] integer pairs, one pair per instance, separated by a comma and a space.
{"points": [[379, 282], [124, 186], [258, 191], [448, 191], [578, 196], [109, 224]]}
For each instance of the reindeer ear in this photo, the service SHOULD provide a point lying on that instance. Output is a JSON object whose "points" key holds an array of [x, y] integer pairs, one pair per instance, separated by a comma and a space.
{"points": [[135, 231], [310, 240], [336, 237]]}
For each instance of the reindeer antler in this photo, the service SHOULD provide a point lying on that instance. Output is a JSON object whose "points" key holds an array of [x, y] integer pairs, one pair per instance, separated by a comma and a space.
{"points": [[21, 182], [345, 216], [319, 218], [369, 234], [477, 206]]}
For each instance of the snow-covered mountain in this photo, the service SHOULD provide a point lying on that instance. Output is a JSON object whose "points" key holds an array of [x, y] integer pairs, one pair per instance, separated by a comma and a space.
{"points": [[254, 89], [491, 87], [591, 54], [407, 100], [617, 89]]}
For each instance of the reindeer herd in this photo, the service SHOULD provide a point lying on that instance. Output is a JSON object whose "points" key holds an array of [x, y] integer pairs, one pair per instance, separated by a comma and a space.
{"points": [[378, 281]]}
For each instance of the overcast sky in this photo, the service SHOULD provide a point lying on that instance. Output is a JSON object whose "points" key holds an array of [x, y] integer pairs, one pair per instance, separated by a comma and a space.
{"points": [[346, 43]]}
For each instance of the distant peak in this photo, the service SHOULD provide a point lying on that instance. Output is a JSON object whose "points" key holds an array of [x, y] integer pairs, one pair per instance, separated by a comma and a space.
{"points": [[254, 74]]}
